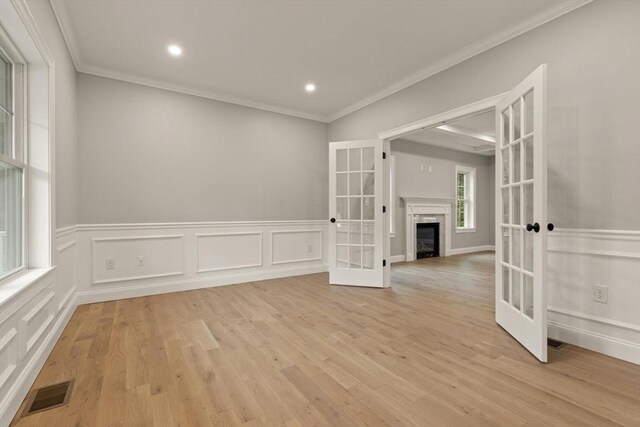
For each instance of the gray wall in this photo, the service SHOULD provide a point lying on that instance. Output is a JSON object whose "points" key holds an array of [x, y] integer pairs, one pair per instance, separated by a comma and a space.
{"points": [[66, 147], [150, 155], [593, 57], [439, 184]]}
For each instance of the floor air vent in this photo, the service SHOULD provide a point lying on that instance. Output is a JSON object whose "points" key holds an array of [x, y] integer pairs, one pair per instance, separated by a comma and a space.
{"points": [[554, 343], [48, 397]]}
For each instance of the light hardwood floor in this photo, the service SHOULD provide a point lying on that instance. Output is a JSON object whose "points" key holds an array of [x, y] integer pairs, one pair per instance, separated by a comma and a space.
{"points": [[299, 352]]}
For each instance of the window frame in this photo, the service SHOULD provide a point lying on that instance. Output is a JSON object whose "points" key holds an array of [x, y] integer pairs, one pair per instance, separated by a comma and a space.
{"points": [[469, 198], [392, 196], [18, 155]]}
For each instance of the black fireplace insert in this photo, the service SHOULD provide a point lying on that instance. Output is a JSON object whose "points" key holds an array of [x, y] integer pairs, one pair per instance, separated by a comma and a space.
{"points": [[428, 240]]}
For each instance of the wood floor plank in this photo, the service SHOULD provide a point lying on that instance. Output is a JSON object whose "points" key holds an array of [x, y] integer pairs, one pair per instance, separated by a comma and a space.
{"points": [[299, 352]]}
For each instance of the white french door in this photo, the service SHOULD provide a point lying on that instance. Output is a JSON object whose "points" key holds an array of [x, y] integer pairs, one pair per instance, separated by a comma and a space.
{"points": [[356, 231], [521, 213]]}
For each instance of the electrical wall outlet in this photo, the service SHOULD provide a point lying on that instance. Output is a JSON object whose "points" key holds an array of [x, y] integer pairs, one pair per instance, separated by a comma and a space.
{"points": [[110, 264], [140, 261], [601, 294]]}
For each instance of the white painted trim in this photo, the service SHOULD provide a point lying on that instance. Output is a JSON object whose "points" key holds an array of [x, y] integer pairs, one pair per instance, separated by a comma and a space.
{"points": [[455, 58], [63, 231], [296, 260], [598, 233], [66, 245], [437, 119], [611, 254], [419, 206], [611, 346], [210, 224], [100, 295], [472, 249], [397, 258], [16, 394], [125, 238], [7, 339], [597, 319], [235, 267]]}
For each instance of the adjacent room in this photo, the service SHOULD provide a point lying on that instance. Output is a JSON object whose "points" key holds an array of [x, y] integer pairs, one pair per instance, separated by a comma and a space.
{"points": [[319, 213]]}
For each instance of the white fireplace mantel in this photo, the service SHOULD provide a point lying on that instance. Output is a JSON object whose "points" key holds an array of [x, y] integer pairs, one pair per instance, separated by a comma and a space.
{"points": [[414, 208]]}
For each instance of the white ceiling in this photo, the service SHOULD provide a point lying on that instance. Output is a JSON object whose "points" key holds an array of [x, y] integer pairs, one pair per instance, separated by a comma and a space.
{"points": [[473, 134], [261, 53]]}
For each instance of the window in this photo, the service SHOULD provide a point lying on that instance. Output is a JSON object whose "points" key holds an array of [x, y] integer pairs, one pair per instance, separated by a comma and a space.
{"points": [[465, 198], [12, 170], [392, 195]]}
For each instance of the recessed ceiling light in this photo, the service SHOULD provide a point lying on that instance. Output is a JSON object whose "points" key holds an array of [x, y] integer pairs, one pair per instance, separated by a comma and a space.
{"points": [[310, 87], [175, 50]]}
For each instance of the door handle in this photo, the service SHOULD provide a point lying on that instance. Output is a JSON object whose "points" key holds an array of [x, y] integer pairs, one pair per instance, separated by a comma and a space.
{"points": [[332, 220], [535, 227], [550, 227]]}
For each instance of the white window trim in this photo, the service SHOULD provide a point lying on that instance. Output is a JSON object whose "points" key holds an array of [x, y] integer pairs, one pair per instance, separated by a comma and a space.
{"points": [[472, 198]]}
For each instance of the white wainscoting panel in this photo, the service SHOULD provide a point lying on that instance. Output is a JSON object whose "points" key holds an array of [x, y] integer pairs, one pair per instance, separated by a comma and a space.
{"points": [[228, 251], [163, 256], [580, 259], [294, 246]]}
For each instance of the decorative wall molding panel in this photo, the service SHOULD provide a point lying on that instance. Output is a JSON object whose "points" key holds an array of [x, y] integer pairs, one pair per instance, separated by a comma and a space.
{"points": [[579, 260], [296, 246], [228, 251]]}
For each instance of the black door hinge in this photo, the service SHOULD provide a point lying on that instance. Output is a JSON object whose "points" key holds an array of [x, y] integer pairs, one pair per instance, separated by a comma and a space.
{"points": [[384, 155], [384, 262], [384, 209]]}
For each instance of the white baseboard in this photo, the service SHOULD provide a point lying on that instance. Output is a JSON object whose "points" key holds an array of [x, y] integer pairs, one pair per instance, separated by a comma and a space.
{"points": [[21, 386], [609, 345], [398, 258], [187, 284], [471, 249]]}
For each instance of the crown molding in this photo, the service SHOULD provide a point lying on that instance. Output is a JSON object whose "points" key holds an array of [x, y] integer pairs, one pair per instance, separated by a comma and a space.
{"points": [[462, 55], [482, 45]]}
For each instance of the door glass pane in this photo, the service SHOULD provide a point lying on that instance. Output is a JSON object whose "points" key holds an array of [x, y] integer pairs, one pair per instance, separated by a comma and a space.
{"points": [[10, 218], [342, 162], [505, 284], [505, 205], [528, 113], [6, 138], [528, 295], [516, 119], [515, 246], [342, 256], [368, 179], [515, 288], [355, 160], [528, 251], [354, 233], [342, 232], [368, 208], [528, 204], [368, 257], [505, 166], [355, 257], [354, 208], [528, 158], [505, 127], [342, 184], [342, 208], [515, 213], [368, 162], [354, 184], [516, 162], [505, 244], [368, 236]]}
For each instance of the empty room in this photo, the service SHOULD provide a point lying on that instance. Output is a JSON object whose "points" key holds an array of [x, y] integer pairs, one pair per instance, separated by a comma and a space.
{"points": [[319, 213]]}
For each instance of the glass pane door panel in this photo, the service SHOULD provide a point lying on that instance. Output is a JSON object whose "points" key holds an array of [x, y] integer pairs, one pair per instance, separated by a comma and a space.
{"points": [[342, 208], [368, 208], [517, 126], [528, 113], [342, 184], [515, 289], [528, 204], [515, 246], [368, 181], [515, 213], [528, 251], [355, 212], [528, 158], [355, 233], [342, 233], [506, 239], [528, 295], [355, 187], [342, 160], [368, 235], [342, 256], [505, 166], [505, 206], [368, 160], [505, 127], [505, 284], [355, 256], [355, 159], [516, 162], [368, 257]]}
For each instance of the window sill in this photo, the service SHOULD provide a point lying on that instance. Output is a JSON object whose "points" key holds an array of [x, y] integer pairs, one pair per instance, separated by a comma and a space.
{"points": [[465, 230], [15, 285]]}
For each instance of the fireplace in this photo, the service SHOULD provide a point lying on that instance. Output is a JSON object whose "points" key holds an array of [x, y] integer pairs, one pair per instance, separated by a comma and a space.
{"points": [[427, 240]]}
